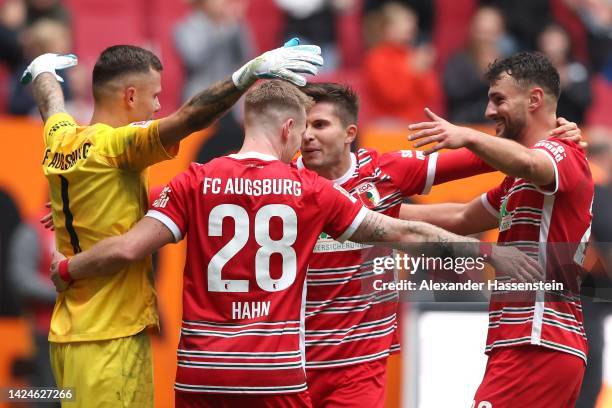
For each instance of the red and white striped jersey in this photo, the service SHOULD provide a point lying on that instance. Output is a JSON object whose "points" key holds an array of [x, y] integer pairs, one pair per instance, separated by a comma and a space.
{"points": [[251, 223], [347, 320], [552, 224]]}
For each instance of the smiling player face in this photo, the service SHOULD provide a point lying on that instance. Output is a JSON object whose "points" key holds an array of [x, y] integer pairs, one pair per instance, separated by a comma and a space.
{"points": [[508, 104], [325, 139]]}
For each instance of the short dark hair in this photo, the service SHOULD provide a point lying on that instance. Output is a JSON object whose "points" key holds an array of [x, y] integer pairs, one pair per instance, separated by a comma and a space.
{"points": [[120, 60], [343, 97], [527, 68]]}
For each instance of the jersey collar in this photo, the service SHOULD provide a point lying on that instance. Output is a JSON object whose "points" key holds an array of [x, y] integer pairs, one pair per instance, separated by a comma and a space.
{"points": [[253, 155], [342, 179]]}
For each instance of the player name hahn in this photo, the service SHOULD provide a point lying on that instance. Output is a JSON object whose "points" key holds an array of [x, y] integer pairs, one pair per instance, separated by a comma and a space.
{"points": [[250, 310], [251, 187]]}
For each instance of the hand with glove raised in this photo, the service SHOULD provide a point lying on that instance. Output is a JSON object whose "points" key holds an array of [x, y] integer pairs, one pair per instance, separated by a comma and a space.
{"points": [[48, 63], [287, 63]]}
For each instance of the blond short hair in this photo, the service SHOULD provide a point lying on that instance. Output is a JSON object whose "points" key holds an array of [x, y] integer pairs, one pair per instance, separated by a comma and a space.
{"points": [[276, 95]]}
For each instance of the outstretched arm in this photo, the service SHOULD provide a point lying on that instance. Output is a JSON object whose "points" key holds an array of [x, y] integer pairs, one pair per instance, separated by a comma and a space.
{"points": [[112, 254], [460, 218], [199, 112], [46, 89], [505, 155], [48, 95], [287, 63], [422, 238]]}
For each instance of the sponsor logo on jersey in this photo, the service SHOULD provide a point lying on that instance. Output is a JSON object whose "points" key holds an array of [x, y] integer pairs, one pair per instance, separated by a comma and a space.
{"points": [[162, 201], [141, 124], [409, 154], [368, 194], [505, 217], [326, 243]]}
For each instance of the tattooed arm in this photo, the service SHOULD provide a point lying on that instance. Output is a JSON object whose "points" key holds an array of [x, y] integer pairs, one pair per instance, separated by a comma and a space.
{"points": [[417, 237], [414, 236], [199, 112], [48, 95]]}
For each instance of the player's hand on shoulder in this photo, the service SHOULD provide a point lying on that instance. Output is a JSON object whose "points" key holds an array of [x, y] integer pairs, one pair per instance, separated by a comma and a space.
{"points": [[289, 63], [569, 131], [511, 262], [444, 134], [48, 63]]}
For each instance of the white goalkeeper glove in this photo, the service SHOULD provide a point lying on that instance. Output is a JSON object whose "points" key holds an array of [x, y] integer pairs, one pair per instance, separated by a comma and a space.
{"points": [[48, 63], [287, 63]]}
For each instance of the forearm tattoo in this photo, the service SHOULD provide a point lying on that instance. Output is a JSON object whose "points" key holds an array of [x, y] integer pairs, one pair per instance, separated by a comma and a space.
{"points": [[48, 95], [208, 105]]}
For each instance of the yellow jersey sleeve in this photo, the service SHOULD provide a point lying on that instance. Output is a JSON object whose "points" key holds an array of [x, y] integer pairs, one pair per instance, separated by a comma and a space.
{"points": [[58, 124], [135, 146]]}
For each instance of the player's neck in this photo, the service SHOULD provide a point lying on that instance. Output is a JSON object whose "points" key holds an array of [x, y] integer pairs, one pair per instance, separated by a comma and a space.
{"points": [[538, 130], [337, 170], [259, 146], [108, 117]]}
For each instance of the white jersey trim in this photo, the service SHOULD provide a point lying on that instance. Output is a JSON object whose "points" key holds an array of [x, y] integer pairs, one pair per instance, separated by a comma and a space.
{"points": [[431, 173], [485, 202], [554, 163], [342, 179], [538, 314], [167, 221], [252, 155], [354, 225]]}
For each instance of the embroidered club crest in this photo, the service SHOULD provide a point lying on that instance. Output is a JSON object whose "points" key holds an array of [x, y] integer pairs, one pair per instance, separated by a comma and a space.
{"points": [[368, 194]]}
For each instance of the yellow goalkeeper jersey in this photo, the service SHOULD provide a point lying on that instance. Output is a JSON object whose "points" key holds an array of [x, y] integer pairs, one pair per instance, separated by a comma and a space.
{"points": [[98, 184]]}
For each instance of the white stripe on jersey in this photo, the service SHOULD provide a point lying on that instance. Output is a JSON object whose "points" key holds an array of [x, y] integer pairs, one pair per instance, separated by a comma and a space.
{"points": [[243, 365], [314, 333], [239, 390], [349, 361], [538, 314], [238, 354]]}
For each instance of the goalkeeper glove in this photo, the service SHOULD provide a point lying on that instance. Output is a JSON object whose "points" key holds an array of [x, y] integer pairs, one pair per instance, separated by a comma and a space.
{"points": [[287, 63], [48, 63]]}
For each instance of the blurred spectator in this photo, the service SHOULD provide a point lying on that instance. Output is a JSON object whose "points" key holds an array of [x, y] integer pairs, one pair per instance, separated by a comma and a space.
{"points": [[29, 261], [12, 16], [597, 286], [424, 9], [464, 84], [212, 41], [575, 98], [80, 105], [43, 36], [597, 18], [46, 9], [399, 76], [524, 19], [314, 22], [9, 220], [18, 15]]}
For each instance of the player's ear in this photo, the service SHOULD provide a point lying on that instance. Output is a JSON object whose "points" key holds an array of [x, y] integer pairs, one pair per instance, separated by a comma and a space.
{"points": [[286, 129], [351, 134], [536, 98], [130, 96]]}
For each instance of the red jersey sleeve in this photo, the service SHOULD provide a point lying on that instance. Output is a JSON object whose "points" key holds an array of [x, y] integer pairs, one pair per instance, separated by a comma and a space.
{"points": [[566, 162], [492, 199], [411, 171], [458, 164], [343, 213], [154, 193], [171, 206]]}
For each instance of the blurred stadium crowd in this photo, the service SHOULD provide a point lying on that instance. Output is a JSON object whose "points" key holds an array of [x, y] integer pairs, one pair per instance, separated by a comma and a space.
{"points": [[399, 55]]}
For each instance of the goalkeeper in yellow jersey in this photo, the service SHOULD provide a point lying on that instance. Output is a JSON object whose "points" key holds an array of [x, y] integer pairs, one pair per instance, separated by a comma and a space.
{"points": [[98, 182]]}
